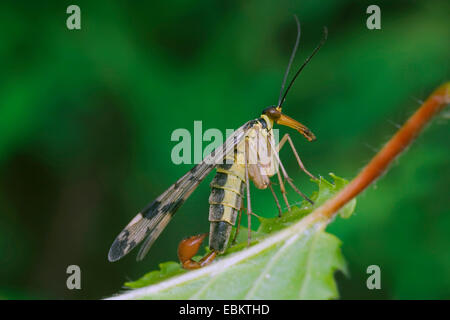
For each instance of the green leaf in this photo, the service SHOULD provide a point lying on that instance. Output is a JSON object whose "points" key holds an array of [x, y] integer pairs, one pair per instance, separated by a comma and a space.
{"points": [[327, 190], [167, 270], [290, 257]]}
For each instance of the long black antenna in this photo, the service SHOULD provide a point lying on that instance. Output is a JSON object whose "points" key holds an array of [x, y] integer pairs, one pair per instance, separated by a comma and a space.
{"points": [[291, 59], [324, 38]]}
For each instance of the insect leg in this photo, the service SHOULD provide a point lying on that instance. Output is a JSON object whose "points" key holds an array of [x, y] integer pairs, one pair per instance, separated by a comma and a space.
{"points": [[289, 180], [237, 227], [247, 181], [188, 248], [287, 137], [276, 199], [283, 190]]}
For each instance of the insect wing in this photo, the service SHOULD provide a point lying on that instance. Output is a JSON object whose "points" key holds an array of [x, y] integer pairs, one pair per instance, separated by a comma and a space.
{"points": [[154, 218]]}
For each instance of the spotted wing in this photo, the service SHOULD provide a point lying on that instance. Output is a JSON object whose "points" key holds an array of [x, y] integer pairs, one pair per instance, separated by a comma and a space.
{"points": [[151, 221]]}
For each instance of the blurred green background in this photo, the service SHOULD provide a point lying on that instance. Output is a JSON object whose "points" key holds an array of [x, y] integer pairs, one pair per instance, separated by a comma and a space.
{"points": [[86, 118]]}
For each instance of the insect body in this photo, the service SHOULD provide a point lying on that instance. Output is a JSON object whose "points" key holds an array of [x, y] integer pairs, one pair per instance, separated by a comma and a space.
{"points": [[249, 154], [227, 191], [229, 184]]}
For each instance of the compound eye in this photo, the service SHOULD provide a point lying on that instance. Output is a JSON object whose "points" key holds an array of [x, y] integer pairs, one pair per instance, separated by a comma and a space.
{"points": [[272, 113]]}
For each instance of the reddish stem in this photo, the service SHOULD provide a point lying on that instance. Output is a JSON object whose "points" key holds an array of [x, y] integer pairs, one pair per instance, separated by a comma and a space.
{"points": [[379, 164]]}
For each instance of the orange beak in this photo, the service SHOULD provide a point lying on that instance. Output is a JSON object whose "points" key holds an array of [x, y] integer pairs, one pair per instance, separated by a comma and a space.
{"points": [[287, 121]]}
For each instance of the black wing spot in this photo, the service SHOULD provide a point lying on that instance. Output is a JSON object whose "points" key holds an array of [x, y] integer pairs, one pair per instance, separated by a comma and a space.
{"points": [[117, 250], [150, 211], [172, 207], [194, 169]]}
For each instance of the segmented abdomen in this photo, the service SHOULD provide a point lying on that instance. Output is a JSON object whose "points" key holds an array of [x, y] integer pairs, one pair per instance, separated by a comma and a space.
{"points": [[227, 189]]}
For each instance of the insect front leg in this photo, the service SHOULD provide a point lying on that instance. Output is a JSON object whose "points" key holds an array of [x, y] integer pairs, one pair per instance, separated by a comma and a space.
{"points": [[189, 247], [289, 180], [287, 137]]}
